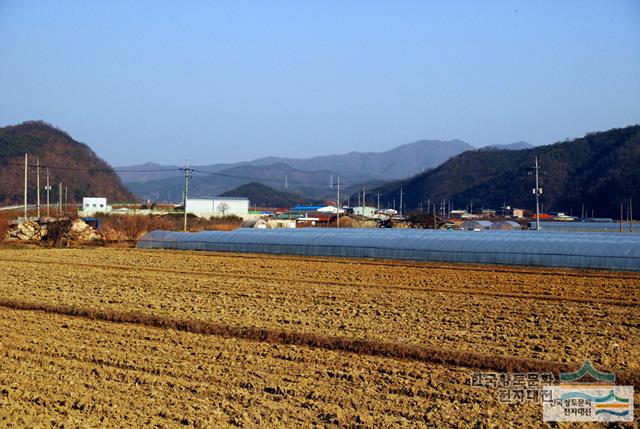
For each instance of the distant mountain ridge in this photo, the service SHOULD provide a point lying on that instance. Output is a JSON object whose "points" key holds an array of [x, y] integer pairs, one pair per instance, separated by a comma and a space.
{"points": [[74, 164], [600, 170], [279, 176], [397, 163]]}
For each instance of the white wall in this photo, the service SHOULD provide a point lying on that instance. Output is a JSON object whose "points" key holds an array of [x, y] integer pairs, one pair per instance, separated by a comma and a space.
{"points": [[200, 207], [233, 207], [91, 205], [213, 207]]}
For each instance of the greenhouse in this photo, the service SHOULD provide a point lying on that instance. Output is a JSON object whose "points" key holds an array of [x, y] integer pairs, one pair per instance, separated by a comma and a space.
{"points": [[575, 250], [552, 226]]}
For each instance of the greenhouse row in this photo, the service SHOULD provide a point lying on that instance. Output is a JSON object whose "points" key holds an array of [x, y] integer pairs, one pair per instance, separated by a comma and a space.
{"points": [[573, 250]]}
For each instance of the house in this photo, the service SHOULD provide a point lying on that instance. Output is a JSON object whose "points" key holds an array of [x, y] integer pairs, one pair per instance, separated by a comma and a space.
{"points": [[458, 214], [369, 212], [92, 205], [519, 213], [218, 206], [281, 223]]}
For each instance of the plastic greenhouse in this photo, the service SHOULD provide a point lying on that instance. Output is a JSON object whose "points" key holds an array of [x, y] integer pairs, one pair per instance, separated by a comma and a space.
{"points": [[575, 250]]}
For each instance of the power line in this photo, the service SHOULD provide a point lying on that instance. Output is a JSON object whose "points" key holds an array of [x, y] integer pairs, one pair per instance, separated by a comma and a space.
{"points": [[104, 170], [258, 179]]}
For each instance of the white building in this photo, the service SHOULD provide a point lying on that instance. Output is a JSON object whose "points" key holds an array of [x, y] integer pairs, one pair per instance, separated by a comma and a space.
{"points": [[93, 205], [218, 206], [369, 212]]}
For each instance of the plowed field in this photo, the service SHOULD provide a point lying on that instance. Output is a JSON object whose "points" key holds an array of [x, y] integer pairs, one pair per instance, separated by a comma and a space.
{"points": [[227, 339]]}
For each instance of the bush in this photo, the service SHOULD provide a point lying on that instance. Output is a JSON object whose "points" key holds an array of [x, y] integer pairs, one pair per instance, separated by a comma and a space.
{"points": [[132, 227]]}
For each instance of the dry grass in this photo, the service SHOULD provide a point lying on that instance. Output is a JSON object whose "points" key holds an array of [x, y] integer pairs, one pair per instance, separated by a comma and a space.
{"points": [[118, 228]]}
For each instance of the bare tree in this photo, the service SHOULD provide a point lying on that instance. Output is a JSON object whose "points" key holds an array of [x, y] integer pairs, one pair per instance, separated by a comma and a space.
{"points": [[223, 207]]}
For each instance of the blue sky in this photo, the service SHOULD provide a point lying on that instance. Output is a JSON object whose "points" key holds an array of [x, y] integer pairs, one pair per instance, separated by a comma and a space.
{"points": [[227, 81]]}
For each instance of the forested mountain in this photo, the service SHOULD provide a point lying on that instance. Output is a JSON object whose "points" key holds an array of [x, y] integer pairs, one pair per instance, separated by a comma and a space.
{"points": [[599, 170], [264, 196], [74, 164]]}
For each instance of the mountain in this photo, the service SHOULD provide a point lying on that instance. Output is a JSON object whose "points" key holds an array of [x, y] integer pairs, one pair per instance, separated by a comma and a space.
{"points": [[312, 184], [600, 170], [264, 196], [74, 164], [510, 146], [398, 163], [147, 171]]}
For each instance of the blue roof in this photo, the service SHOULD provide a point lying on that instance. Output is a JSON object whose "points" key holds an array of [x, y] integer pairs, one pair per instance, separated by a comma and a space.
{"points": [[308, 208]]}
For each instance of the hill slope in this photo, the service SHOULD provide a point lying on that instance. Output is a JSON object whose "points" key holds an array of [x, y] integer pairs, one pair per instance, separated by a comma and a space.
{"points": [[70, 162], [265, 196], [600, 170]]}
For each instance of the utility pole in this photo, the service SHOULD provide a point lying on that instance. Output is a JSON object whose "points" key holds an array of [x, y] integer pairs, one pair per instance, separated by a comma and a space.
{"points": [[401, 194], [26, 160], [435, 222], [38, 187], [187, 176], [630, 215], [286, 181], [60, 199], [621, 215], [338, 204], [537, 191], [47, 188], [331, 181], [66, 200]]}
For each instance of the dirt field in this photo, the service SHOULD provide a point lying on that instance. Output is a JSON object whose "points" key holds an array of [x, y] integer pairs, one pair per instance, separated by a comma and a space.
{"points": [[83, 369]]}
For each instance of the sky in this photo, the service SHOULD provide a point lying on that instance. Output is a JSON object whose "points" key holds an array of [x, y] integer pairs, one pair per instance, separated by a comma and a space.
{"points": [[209, 82]]}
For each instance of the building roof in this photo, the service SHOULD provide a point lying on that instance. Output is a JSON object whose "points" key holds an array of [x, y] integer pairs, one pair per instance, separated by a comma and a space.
{"points": [[307, 208], [219, 198]]}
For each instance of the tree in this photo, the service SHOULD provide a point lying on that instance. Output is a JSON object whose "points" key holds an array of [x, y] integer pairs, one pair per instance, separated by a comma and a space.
{"points": [[223, 207]]}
